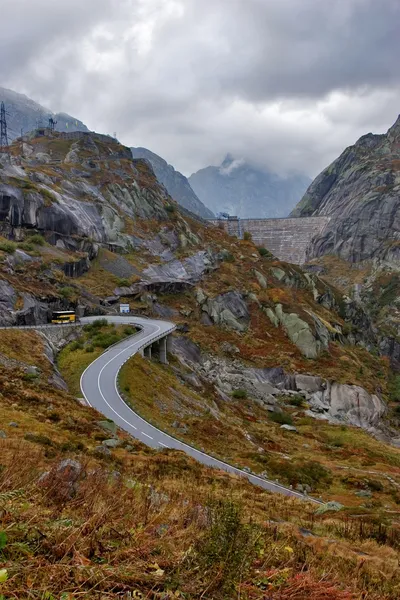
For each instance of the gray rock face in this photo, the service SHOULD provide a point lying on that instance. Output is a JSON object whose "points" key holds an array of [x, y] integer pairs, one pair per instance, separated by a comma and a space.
{"points": [[25, 114], [347, 403], [238, 188], [78, 209], [337, 403], [228, 309], [360, 191], [310, 341], [190, 269], [176, 184]]}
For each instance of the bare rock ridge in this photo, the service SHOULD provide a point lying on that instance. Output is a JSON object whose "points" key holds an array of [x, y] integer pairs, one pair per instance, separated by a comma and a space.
{"points": [[239, 188], [360, 192], [176, 184]]}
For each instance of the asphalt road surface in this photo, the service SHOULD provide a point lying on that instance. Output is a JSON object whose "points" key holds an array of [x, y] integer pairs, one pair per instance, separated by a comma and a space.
{"points": [[100, 390]]}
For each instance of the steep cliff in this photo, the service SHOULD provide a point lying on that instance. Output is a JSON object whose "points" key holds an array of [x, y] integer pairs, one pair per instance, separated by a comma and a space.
{"points": [[241, 189], [360, 191], [176, 184]]}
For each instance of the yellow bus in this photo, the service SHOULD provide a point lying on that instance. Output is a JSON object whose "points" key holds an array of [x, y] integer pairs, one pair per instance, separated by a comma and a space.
{"points": [[63, 316]]}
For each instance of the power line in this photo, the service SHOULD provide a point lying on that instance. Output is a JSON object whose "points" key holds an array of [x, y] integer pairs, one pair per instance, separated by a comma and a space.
{"points": [[4, 149], [52, 124]]}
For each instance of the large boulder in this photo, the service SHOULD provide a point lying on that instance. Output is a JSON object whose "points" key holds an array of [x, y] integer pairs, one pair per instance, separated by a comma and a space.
{"points": [[299, 332], [348, 404], [229, 310]]}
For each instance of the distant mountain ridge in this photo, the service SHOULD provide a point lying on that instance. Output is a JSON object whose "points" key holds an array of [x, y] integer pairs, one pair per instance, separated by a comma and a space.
{"points": [[26, 115], [239, 188], [176, 184]]}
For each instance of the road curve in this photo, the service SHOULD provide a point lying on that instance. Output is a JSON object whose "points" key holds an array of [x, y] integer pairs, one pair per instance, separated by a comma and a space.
{"points": [[100, 390]]}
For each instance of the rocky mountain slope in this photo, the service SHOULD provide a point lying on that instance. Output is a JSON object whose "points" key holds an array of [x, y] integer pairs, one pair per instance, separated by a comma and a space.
{"points": [[272, 368], [176, 184], [25, 114], [360, 192], [358, 250], [238, 188]]}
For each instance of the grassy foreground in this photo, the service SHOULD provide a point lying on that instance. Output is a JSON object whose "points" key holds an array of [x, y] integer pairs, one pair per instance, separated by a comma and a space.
{"points": [[158, 524]]}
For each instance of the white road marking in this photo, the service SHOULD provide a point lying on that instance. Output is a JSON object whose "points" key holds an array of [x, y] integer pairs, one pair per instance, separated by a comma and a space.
{"points": [[149, 436], [217, 463]]}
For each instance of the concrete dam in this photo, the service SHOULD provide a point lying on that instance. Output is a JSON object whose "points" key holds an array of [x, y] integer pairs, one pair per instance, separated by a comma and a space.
{"points": [[287, 239]]}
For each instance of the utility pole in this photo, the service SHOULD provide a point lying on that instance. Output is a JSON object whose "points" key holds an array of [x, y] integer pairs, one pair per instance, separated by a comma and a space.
{"points": [[52, 124], [4, 149]]}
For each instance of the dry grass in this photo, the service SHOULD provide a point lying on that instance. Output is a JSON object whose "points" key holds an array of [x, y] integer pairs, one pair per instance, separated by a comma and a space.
{"points": [[26, 347], [241, 433], [164, 525]]}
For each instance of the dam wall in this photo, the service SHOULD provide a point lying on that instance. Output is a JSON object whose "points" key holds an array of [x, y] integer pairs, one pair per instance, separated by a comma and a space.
{"points": [[287, 239]]}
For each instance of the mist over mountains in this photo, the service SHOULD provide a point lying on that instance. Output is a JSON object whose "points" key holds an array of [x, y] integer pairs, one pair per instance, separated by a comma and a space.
{"points": [[239, 188], [235, 187]]}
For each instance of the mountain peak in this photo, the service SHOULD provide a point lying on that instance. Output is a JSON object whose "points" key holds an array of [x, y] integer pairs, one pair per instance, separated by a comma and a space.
{"points": [[394, 130], [239, 188]]}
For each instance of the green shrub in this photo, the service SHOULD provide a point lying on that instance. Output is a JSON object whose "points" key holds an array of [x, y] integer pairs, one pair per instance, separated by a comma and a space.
{"points": [[39, 439], [75, 346], [313, 473], [129, 330], [296, 400], [247, 236], [394, 388], [54, 416], [26, 246], [67, 292], [239, 394], [309, 473], [375, 485], [30, 376], [228, 257], [72, 447], [8, 247], [99, 323], [281, 418], [264, 252], [105, 340], [124, 282], [170, 208], [89, 349], [390, 292], [37, 239], [228, 548]]}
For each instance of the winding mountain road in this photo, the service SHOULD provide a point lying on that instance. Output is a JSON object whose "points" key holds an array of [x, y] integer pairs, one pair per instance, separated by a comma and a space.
{"points": [[100, 389]]}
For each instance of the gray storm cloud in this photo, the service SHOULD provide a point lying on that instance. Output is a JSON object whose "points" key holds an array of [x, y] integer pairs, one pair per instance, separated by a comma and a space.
{"points": [[283, 83]]}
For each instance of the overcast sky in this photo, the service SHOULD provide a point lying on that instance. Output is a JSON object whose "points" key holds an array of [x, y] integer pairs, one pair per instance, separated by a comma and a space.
{"points": [[285, 83]]}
